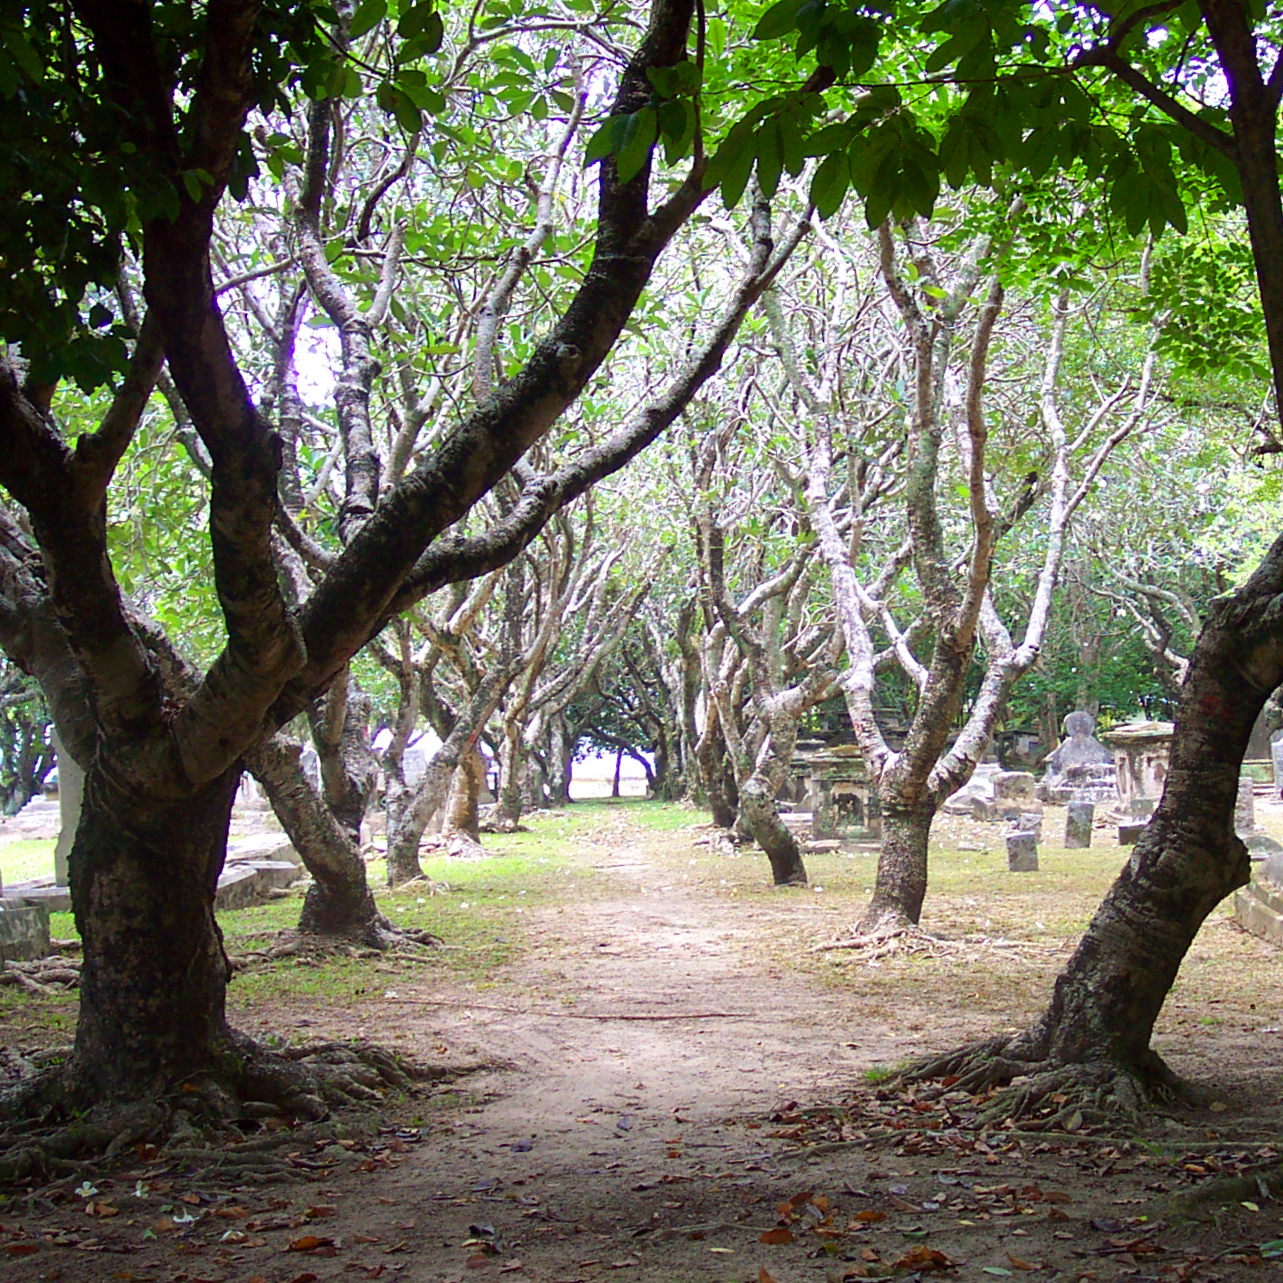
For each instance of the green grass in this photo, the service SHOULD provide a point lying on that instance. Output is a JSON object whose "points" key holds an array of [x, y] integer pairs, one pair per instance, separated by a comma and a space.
{"points": [[25, 859]]}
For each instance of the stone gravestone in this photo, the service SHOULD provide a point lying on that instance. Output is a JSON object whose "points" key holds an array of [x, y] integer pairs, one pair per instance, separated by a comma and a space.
{"points": [[1082, 768], [1258, 907], [1078, 822], [1259, 845], [1022, 852]]}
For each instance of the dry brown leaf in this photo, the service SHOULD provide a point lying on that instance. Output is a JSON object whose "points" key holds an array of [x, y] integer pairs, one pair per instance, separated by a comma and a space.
{"points": [[309, 1243], [868, 1217], [924, 1258], [1018, 1264], [764, 1275], [21, 1249], [780, 1234]]}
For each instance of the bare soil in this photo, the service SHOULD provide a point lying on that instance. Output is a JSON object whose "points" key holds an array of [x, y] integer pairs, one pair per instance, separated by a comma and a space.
{"points": [[671, 1085]]}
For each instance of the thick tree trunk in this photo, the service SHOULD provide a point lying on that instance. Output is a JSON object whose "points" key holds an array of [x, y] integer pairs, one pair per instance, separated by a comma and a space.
{"points": [[152, 983], [770, 832], [339, 903], [410, 810], [901, 884]]}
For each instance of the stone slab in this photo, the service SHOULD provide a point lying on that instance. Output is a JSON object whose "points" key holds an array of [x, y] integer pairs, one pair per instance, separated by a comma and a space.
{"points": [[1129, 831], [261, 846], [247, 883], [1259, 913], [55, 898], [24, 931]]}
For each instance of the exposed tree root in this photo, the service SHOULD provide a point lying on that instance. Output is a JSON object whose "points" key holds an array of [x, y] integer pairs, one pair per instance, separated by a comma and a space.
{"points": [[1264, 1182], [914, 940], [253, 1101], [881, 941], [385, 937], [457, 846], [1030, 1092], [43, 975]]}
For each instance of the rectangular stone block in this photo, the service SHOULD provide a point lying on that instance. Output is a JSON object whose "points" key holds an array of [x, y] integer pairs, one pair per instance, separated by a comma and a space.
{"points": [[1079, 818], [1022, 853], [24, 931]]}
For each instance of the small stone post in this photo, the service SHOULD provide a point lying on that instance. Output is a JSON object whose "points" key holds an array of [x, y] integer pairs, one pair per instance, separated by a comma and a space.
{"points": [[1245, 806], [1078, 821], [1022, 852]]}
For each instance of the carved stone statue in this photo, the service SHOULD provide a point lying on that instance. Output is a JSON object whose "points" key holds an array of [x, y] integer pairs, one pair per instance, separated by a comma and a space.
{"points": [[1081, 769]]}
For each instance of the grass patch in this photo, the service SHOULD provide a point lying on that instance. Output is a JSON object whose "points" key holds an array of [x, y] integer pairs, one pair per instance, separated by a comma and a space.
{"points": [[25, 859]]}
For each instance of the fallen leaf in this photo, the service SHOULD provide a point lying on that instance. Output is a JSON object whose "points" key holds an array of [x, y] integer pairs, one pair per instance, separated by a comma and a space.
{"points": [[309, 1243], [764, 1275], [318, 1213], [477, 1260], [1018, 1264], [868, 1217], [21, 1249], [780, 1234], [924, 1258]]}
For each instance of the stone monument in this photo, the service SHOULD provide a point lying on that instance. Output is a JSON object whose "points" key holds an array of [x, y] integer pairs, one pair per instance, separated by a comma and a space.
{"points": [[1081, 769], [1141, 752]]}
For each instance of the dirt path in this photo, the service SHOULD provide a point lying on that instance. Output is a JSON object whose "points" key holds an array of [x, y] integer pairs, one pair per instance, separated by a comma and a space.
{"points": [[664, 1098]]}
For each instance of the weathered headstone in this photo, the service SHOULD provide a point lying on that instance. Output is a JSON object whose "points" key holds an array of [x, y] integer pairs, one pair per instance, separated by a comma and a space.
{"points": [[1022, 852], [24, 931], [1079, 818], [1129, 831], [1027, 822], [1013, 786]]}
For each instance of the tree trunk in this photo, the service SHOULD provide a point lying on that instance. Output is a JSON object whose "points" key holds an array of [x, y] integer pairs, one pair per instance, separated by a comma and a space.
{"points": [[154, 975], [771, 834], [410, 810], [339, 903], [464, 803], [901, 884], [715, 773], [619, 766], [512, 761]]}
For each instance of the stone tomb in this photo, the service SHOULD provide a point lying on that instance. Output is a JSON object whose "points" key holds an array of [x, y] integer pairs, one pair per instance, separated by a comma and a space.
{"points": [[1141, 753], [840, 792]]}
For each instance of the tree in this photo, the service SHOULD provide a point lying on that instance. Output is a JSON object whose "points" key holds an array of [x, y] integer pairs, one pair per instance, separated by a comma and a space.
{"points": [[136, 120], [1206, 78]]}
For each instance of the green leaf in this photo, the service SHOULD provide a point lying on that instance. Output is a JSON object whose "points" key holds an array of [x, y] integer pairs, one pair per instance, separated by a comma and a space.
{"points": [[606, 140], [414, 21], [778, 20], [639, 134], [368, 15], [830, 183], [769, 157]]}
